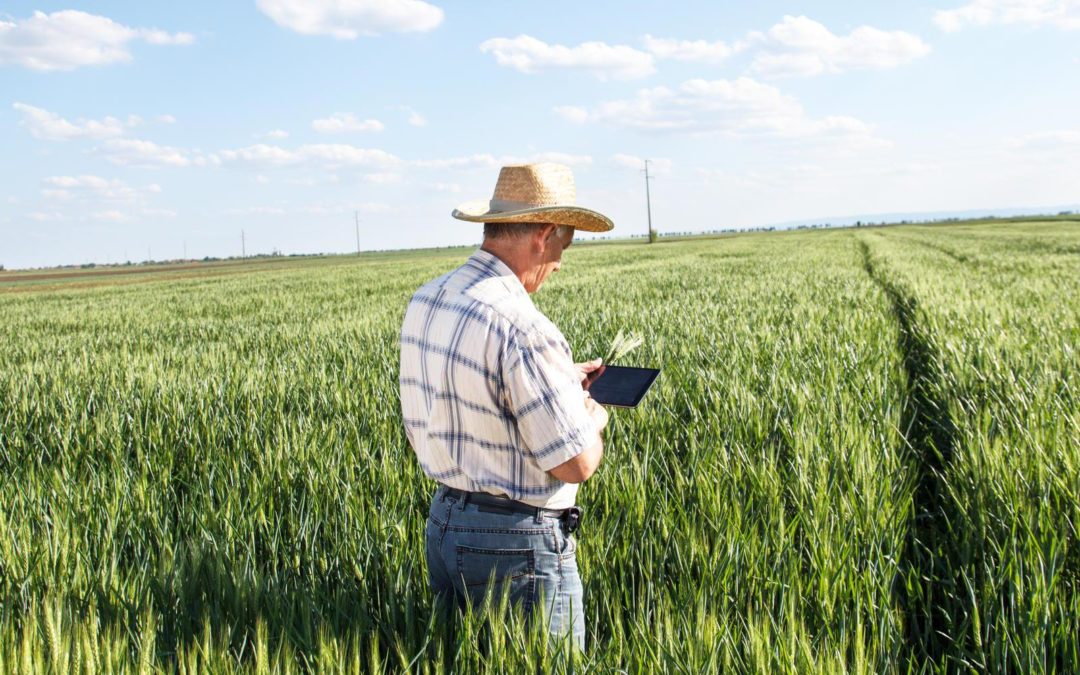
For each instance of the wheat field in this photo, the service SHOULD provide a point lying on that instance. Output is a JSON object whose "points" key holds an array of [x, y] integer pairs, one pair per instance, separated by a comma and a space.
{"points": [[862, 455]]}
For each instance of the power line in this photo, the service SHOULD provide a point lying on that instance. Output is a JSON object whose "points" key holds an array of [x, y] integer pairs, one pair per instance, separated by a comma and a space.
{"points": [[648, 203]]}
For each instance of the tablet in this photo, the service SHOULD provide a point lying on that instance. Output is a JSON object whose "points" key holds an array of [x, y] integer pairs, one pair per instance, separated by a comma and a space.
{"points": [[621, 386]]}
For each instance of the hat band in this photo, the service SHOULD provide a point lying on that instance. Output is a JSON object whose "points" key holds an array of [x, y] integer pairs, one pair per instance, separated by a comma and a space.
{"points": [[500, 205]]}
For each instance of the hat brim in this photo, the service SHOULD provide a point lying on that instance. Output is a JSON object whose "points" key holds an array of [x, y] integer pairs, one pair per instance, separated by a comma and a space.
{"points": [[576, 217]]}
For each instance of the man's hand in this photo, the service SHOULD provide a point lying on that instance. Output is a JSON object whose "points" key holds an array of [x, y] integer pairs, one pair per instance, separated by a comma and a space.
{"points": [[597, 412], [584, 369]]}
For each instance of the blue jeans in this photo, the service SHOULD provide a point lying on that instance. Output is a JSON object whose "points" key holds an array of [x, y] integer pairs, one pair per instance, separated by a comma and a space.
{"points": [[532, 554]]}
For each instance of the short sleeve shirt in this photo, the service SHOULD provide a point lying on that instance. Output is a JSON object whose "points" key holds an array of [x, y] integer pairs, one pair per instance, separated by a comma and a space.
{"points": [[490, 396]]}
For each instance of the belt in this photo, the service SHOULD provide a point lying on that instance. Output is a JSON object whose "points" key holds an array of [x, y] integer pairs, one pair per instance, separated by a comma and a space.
{"points": [[570, 517]]}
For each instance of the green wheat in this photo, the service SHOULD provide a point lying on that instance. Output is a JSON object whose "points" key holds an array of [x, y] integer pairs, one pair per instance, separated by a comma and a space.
{"points": [[210, 473]]}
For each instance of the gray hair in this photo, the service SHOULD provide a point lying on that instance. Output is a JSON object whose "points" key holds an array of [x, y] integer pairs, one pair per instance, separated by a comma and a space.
{"points": [[503, 231]]}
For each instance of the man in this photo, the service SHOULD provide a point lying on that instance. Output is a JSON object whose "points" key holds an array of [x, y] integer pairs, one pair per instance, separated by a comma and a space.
{"points": [[494, 407]]}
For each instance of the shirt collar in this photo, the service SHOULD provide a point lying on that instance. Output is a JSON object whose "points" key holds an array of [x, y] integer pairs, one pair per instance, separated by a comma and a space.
{"points": [[493, 266]]}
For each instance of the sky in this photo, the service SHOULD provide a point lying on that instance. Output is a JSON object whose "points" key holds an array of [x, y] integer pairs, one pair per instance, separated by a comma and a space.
{"points": [[151, 130]]}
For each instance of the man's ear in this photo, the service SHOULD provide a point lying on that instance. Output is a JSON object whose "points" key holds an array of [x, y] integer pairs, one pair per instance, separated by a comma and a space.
{"points": [[542, 236]]}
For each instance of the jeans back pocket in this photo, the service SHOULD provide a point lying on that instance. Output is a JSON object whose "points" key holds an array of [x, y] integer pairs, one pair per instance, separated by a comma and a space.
{"points": [[484, 570]]}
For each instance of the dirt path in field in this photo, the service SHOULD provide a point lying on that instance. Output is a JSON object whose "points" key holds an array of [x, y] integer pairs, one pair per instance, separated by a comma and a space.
{"points": [[930, 433], [75, 283]]}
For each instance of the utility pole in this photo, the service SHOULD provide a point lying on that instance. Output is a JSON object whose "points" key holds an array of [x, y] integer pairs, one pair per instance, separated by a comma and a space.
{"points": [[185, 249], [149, 255], [243, 245], [356, 215], [648, 204]]}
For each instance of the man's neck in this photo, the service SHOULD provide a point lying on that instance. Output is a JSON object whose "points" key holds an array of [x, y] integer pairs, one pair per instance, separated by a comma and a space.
{"points": [[511, 256]]}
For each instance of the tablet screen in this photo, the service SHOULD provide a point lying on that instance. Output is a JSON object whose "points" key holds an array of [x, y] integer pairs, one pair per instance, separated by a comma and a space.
{"points": [[621, 386]]}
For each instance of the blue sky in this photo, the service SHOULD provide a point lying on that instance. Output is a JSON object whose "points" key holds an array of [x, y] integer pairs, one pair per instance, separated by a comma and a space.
{"points": [[149, 129]]}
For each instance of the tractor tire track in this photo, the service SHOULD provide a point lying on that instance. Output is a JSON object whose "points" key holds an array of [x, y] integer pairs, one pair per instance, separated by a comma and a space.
{"points": [[929, 591]]}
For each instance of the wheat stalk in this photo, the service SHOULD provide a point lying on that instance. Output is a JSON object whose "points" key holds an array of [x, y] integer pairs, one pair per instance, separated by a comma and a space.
{"points": [[622, 345]]}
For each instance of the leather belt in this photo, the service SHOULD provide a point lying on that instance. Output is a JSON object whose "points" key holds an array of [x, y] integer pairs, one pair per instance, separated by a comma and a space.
{"points": [[570, 517]]}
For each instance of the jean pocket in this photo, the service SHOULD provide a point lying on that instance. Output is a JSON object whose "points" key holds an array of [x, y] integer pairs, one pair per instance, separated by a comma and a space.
{"points": [[496, 570]]}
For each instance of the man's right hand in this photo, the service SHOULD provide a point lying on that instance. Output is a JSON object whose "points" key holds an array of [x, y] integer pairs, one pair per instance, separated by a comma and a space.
{"points": [[597, 412]]}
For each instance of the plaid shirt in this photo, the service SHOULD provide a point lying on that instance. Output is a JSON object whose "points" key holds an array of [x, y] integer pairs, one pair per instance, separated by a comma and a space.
{"points": [[490, 396]]}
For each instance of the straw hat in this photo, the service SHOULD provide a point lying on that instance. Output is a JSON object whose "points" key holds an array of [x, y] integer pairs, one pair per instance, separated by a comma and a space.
{"points": [[534, 193]]}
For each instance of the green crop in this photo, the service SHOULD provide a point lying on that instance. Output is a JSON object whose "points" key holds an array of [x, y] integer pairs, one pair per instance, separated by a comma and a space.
{"points": [[621, 345], [863, 455]]}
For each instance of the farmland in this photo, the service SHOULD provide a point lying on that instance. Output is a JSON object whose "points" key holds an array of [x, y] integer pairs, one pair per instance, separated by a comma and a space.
{"points": [[863, 454]]}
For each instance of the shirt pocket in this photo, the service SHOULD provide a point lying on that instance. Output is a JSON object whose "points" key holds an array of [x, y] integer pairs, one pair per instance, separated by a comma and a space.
{"points": [[497, 570]]}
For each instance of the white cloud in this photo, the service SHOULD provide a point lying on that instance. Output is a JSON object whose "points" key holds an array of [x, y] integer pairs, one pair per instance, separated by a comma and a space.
{"points": [[44, 216], [530, 55], [69, 39], [372, 207], [557, 157], [1049, 138], [332, 155], [1046, 144], [659, 165], [323, 155], [349, 19], [574, 114], [467, 162], [312, 181], [160, 37], [688, 50], [139, 153], [110, 216], [92, 186], [49, 126], [340, 123], [1064, 14], [382, 178], [909, 170], [158, 213], [277, 133], [797, 176], [801, 46], [255, 211], [97, 199], [325, 209], [415, 118], [46, 125], [488, 161], [1052, 138], [739, 108], [259, 155]]}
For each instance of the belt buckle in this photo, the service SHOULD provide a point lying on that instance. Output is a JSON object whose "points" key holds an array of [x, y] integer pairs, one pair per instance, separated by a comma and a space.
{"points": [[572, 519]]}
